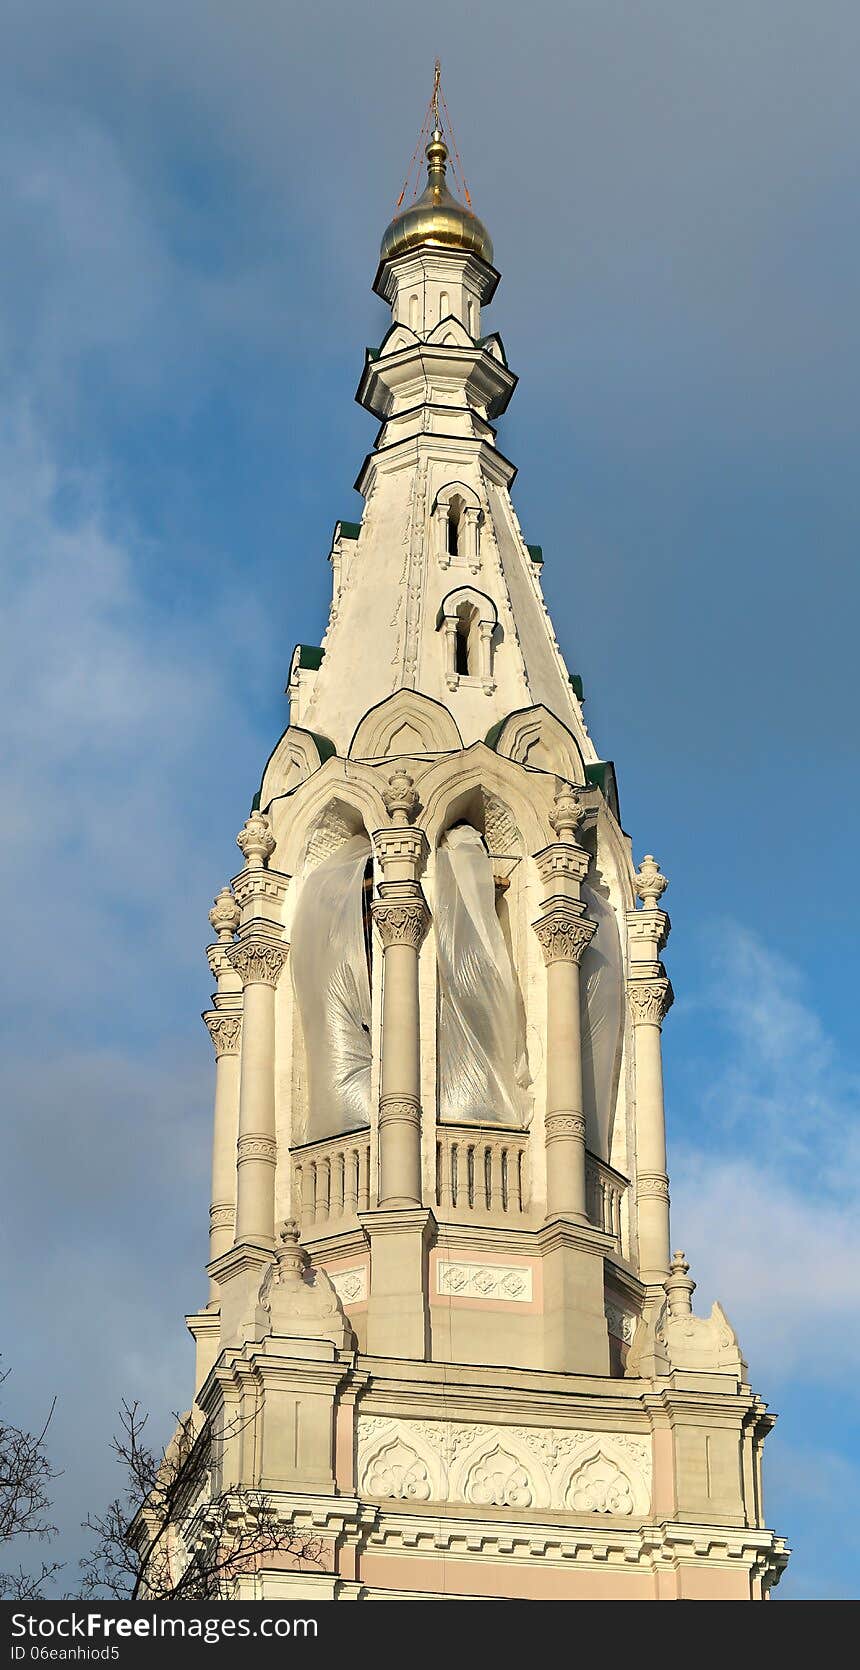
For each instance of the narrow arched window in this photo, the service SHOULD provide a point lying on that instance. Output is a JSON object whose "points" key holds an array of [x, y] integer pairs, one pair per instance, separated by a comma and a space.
{"points": [[413, 312], [455, 516], [461, 659], [444, 304]]}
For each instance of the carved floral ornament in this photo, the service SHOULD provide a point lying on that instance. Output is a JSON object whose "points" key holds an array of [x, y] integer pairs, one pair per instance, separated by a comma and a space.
{"points": [[567, 813], [650, 1001], [255, 840], [402, 923], [225, 915], [650, 883], [258, 961], [564, 938], [225, 1032], [401, 797], [505, 1467]]}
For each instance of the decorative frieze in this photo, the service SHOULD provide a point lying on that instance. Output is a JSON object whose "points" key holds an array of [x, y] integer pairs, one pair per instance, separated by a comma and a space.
{"points": [[225, 1030], [652, 1185], [462, 1279], [560, 1125], [483, 1465], [402, 923], [258, 961], [563, 937], [650, 1001], [257, 1148], [399, 1110], [222, 1216]]}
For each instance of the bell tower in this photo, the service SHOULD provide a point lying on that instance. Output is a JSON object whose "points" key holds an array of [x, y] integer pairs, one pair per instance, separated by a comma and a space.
{"points": [[446, 1333]]}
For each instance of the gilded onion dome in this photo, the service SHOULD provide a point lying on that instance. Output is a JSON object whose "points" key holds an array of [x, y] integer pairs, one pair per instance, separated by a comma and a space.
{"points": [[436, 217]]}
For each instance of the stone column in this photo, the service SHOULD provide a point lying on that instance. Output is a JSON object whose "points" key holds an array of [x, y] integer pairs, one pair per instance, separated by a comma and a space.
{"points": [[564, 932], [401, 916], [224, 1022], [650, 996], [258, 958]]}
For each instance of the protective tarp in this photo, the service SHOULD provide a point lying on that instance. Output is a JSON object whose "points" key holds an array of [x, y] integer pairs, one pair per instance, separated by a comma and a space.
{"points": [[482, 1062], [332, 987], [601, 1012]]}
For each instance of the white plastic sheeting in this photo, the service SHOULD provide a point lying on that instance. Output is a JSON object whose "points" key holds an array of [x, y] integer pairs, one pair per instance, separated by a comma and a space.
{"points": [[332, 987], [482, 1063], [601, 1006]]}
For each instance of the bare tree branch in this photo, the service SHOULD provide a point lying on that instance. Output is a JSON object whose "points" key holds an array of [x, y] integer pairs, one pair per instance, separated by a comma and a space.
{"points": [[26, 1475]]}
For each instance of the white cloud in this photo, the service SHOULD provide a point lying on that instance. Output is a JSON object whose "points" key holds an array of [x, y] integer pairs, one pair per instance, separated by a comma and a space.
{"points": [[767, 1203]]}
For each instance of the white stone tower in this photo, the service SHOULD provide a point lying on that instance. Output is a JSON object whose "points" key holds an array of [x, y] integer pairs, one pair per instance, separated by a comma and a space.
{"points": [[437, 1035]]}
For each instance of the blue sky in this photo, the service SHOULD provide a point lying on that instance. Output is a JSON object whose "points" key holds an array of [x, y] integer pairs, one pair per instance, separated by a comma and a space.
{"points": [[193, 197]]}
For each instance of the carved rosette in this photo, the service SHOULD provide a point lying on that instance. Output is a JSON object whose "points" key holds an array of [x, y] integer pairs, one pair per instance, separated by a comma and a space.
{"points": [[650, 1001], [564, 1126], [564, 938], [399, 1110], [257, 1148], [225, 1032], [258, 962], [403, 923], [652, 1185]]}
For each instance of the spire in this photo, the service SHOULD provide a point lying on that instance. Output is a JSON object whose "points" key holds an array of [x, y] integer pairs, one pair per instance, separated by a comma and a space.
{"points": [[437, 217]]}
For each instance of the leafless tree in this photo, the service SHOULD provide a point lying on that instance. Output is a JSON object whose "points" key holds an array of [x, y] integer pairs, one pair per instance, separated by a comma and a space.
{"points": [[26, 1475], [167, 1537]]}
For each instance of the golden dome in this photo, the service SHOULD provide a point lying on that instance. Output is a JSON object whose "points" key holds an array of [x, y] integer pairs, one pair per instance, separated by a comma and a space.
{"points": [[436, 217]]}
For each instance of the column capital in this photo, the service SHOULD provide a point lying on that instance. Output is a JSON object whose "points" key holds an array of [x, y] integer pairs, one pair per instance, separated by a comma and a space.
{"points": [[401, 921], [258, 961], [563, 936], [225, 1030], [650, 1001]]}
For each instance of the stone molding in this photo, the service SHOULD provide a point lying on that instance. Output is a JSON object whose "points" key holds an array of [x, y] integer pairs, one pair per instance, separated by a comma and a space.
{"points": [[650, 1001], [256, 1148], [563, 937], [652, 1185], [399, 1110], [562, 1125], [600, 1473], [225, 1030], [404, 923], [462, 1279], [258, 962], [222, 1215]]}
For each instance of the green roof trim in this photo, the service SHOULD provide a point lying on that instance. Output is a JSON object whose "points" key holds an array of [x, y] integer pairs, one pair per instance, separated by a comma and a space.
{"points": [[349, 530], [495, 732], [535, 552], [600, 774], [255, 803], [310, 657], [576, 686], [325, 746]]}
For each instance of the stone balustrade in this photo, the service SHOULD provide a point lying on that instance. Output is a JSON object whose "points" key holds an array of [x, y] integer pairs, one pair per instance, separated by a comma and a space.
{"points": [[481, 1173], [332, 1182], [605, 1189]]}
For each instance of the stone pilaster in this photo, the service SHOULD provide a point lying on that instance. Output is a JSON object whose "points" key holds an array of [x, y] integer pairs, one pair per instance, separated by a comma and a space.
{"points": [[649, 996], [564, 932], [225, 1030], [258, 962]]}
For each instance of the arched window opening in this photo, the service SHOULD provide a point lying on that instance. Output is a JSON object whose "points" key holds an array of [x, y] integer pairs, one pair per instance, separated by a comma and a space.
{"points": [[413, 312], [465, 649], [455, 516], [331, 981], [471, 312], [444, 304]]}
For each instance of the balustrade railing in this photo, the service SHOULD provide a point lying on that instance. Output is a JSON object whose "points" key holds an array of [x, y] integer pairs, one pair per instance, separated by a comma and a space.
{"points": [[604, 1191], [482, 1173], [331, 1182]]}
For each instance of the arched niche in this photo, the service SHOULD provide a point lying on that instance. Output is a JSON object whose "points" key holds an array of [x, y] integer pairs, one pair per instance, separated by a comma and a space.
{"points": [[450, 333], [294, 758], [406, 723], [534, 737], [456, 523]]}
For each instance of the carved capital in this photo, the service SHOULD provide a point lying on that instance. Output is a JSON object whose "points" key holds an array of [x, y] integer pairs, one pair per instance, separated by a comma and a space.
{"points": [[399, 1110], [404, 923], [652, 1185], [650, 884], [258, 961], [255, 840], [565, 1125], [564, 938], [225, 1032], [257, 1148], [650, 1001]]}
